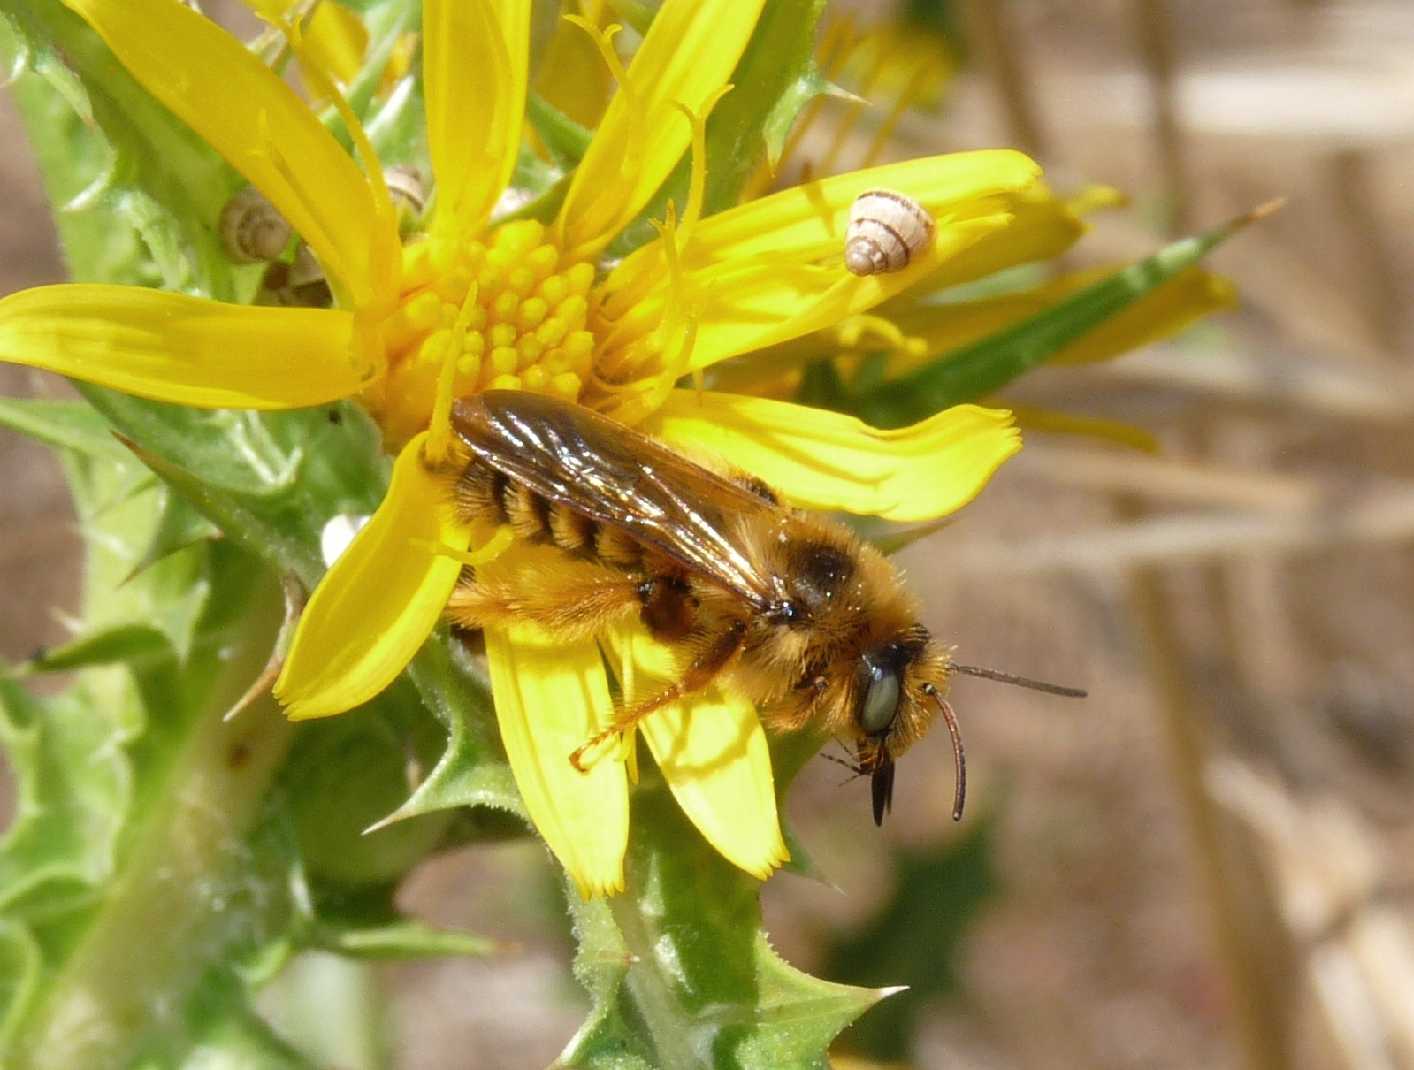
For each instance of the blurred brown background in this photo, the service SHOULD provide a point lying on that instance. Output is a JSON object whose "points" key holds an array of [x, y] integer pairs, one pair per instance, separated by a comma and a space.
{"points": [[1208, 862]]}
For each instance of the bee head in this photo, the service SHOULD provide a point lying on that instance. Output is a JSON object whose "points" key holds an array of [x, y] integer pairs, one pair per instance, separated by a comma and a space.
{"points": [[894, 689], [900, 689]]}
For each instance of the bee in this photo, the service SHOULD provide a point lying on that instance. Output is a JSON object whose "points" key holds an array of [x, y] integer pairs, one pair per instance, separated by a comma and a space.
{"points": [[787, 607]]}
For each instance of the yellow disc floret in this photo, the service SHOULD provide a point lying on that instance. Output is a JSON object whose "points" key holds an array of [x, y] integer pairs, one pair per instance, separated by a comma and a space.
{"points": [[508, 312]]}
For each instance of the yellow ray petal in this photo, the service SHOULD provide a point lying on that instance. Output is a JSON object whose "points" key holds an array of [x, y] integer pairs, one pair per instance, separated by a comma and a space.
{"points": [[262, 128], [474, 60], [1066, 423], [712, 752], [551, 697], [337, 39], [807, 222], [1163, 312], [571, 75], [827, 460], [1042, 226], [171, 347], [379, 600], [687, 56], [773, 269]]}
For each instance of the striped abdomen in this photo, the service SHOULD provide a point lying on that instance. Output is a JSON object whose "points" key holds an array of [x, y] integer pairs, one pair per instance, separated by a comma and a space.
{"points": [[483, 493]]}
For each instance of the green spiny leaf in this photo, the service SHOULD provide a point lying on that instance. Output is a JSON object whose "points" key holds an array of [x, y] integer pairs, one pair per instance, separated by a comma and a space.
{"points": [[20, 963], [120, 643], [143, 158], [73, 791], [401, 939], [65, 425], [179, 527], [679, 971], [775, 78]]}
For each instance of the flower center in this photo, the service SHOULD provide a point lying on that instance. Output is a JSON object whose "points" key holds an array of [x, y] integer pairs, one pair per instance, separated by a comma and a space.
{"points": [[510, 310]]}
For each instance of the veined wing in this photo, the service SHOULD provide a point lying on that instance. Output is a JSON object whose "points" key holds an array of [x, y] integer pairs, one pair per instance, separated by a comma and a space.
{"points": [[616, 476]]}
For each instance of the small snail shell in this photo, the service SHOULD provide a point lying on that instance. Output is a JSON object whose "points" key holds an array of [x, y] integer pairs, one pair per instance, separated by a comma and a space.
{"points": [[251, 228], [299, 284], [885, 230], [406, 188]]}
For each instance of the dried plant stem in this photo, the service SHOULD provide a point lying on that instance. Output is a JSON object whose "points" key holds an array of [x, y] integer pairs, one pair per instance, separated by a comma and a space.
{"points": [[1254, 1005], [1272, 379], [987, 27], [1382, 517], [1354, 192], [1156, 44], [1175, 479]]}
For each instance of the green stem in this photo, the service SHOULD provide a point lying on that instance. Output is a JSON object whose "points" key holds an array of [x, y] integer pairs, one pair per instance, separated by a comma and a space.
{"points": [[182, 895], [664, 1016]]}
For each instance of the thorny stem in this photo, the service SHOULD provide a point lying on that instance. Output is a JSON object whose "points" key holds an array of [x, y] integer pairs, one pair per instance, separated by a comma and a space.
{"points": [[178, 898]]}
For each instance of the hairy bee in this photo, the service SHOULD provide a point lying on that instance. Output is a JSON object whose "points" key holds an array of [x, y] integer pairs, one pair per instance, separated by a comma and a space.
{"points": [[790, 608]]}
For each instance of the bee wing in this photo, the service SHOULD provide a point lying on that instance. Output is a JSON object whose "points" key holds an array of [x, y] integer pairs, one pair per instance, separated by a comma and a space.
{"points": [[616, 476]]}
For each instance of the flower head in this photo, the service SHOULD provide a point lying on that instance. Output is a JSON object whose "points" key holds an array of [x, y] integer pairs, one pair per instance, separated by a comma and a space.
{"points": [[480, 301]]}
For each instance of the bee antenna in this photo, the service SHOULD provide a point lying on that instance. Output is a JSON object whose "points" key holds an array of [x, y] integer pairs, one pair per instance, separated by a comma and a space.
{"points": [[959, 755], [1019, 681]]}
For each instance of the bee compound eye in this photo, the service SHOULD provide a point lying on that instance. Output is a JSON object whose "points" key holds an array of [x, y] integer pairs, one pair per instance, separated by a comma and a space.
{"points": [[881, 697]]}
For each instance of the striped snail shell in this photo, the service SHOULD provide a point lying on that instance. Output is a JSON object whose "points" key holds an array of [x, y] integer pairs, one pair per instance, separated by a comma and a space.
{"points": [[886, 229], [251, 229]]}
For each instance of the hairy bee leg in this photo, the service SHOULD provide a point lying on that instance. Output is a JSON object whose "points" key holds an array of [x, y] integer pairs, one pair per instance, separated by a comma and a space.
{"points": [[705, 668], [577, 601]]}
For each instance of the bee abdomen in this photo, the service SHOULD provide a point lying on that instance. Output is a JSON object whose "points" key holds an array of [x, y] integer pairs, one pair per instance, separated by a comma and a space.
{"points": [[571, 531], [483, 493], [886, 230], [527, 513], [616, 548]]}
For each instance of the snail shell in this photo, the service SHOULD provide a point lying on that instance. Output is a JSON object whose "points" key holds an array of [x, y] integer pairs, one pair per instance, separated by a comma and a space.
{"points": [[406, 188], [251, 229], [298, 284], [886, 229]]}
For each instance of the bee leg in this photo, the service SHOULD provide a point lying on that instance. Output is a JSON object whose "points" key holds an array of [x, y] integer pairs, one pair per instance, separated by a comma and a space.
{"points": [[570, 600], [705, 668]]}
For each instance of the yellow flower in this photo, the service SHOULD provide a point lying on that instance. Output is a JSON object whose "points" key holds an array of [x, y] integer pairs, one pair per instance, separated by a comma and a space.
{"points": [[476, 304]]}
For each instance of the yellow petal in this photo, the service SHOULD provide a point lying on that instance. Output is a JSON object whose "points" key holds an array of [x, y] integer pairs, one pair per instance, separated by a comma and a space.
{"points": [[687, 56], [571, 75], [773, 269], [337, 40], [551, 697], [712, 752], [379, 600], [827, 460], [474, 60], [1163, 312], [1042, 226], [807, 223], [1066, 423], [262, 128], [171, 347]]}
